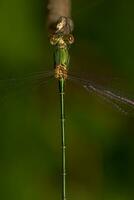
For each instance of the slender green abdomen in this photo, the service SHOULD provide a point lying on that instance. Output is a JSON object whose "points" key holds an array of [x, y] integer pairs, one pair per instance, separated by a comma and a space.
{"points": [[63, 138], [61, 57]]}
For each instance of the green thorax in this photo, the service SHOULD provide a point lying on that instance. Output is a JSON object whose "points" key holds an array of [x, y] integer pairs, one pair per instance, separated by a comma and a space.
{"points": [[61, 56]]}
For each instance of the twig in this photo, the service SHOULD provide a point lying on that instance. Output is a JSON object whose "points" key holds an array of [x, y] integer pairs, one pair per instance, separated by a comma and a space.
{"points": [[56, 9]]}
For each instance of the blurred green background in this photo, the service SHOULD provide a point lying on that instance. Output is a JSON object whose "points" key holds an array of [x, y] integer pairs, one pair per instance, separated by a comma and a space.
{"points": [[100, 142]]}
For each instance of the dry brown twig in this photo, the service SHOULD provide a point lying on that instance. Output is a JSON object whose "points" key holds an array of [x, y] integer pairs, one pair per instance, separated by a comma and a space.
{"points": [[56, 9]]}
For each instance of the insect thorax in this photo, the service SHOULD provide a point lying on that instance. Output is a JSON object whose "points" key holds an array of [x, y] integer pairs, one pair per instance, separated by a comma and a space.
{"points": [[61, 39], [61, 72]]}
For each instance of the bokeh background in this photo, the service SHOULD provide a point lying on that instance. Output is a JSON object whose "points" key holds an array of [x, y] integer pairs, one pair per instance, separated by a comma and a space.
{"points": [[100, 146]]}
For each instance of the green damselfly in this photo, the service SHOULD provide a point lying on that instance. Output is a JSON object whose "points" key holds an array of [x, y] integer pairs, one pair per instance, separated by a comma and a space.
{"points": [[62, 39]]}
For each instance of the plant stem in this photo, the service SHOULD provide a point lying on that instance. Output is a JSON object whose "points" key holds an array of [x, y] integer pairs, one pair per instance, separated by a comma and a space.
{"points": [[56, 9]]}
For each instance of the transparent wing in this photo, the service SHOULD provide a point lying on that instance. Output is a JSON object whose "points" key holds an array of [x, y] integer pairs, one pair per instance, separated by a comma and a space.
{"points": [[29, 83], [120, 103], [31, 78]]}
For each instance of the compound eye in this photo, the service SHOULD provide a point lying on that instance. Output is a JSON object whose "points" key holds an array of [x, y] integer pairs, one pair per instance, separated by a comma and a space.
{"points": [[53, 39], [70, 39]]}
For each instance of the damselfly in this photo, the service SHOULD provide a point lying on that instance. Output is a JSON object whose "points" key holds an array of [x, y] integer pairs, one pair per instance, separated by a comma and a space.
{"points": [[62, 39]]}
